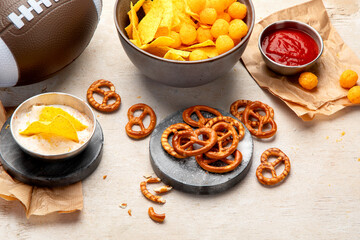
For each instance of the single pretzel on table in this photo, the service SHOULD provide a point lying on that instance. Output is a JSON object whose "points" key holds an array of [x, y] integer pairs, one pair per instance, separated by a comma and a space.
{"points": [[230, 164], [270, 166], [234, 110], [221, 150], [235, 123], [191, 138], [156, 216], [201, 119], [165, 136], [146, 192], [146, 110], [107, 95], [258, 131]]}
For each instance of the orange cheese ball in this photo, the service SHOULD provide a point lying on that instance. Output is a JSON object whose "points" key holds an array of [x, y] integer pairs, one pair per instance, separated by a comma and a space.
{"points": [[237, 10], [224, 16], [196, 5], [218, 5], [176, 37], [238, 29], [197, 55], [208, 16], [308, 80], [348, 79], [354, 94], [220, 27], [187, 34], [203, 35], [224, 43], [229, 2]]}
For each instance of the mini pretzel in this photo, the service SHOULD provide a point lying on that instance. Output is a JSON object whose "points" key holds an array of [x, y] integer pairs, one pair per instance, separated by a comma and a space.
{"points": [[235, 123], [221, 150], [231, 164], [165, 136], [197, 110], [139, 121], [193, 138], [156, 216], [234, 110], [250, 112], [270, 166], [146, 192], [96, 87]]}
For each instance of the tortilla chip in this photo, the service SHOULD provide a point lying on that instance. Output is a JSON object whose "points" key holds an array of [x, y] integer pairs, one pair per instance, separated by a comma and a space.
{"points": [[207, 43], [159, 42], [149, 25], [173, 56], [147, 6], [60, 126]]}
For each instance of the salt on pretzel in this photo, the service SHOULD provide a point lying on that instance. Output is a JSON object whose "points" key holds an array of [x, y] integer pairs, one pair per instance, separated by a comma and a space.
{"points": [[107, 95], [146, 192], [146, 110], [172, 130], [197, 110], [270, 166]]}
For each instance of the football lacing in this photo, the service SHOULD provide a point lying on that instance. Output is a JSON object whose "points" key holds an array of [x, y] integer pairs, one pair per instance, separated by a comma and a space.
{"points": [[26, 12]]}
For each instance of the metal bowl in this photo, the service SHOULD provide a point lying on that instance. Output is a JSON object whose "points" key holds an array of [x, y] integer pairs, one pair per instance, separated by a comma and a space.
{"points": [[179, 73], [54, 98], [286, 24]]}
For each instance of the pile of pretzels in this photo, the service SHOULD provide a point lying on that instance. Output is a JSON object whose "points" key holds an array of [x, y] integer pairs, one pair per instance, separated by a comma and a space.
{"points": [[212, 141]]}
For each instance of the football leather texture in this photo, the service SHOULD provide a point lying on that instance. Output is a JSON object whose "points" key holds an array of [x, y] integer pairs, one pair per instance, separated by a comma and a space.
{"points": [[38, 38]]}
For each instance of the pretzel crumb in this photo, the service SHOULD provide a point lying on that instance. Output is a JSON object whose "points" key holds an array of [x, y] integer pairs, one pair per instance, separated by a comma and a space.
{"points": [[123, 205], [129, 212], [104, 177], [7, 126], [358, 159], [147, 176], [343, 133]]}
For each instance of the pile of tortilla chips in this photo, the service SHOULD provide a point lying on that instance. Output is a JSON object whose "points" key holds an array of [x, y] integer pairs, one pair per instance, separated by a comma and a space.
{"points": [[55, 121], [152, 33]]}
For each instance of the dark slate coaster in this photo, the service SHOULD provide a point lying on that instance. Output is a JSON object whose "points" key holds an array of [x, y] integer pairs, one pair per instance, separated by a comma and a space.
{"points": [[185, 174], [34, 171]]}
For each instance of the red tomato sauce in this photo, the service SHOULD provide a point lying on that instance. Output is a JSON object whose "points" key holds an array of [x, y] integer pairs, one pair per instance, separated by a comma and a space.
{"points": [[290, 47]]}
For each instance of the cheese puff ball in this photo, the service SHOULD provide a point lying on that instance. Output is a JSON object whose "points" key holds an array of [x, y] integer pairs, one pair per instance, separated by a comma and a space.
{"points": [[354, 94], [187, 34], [203, 35], [176, 37], [220, 27], [218, 5], [238, 29], [197, 55], [308, 80], [229, 2], [224, 16], [348, 79], [224, 43], [237, 10], [208, 16], [196, 5]]}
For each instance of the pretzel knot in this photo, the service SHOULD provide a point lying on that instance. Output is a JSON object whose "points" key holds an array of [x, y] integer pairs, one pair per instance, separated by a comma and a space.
{"points": [[250, 112], [235, 123], [107, 95], [165, 138], [270, 166], [185, 139], [235, 106], [227, 164], [146, 110], [201, 119]]}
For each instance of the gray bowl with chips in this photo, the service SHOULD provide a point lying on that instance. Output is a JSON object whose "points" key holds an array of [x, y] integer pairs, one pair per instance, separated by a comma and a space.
{"points": [[180, 73]]}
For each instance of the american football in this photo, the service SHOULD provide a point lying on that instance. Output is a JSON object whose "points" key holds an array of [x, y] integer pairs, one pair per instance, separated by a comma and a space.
{"points": [[38, 38]]}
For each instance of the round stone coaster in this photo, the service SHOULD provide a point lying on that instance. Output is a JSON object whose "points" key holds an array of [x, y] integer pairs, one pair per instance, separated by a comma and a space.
{"points": [[34, 171], [185, 174]]}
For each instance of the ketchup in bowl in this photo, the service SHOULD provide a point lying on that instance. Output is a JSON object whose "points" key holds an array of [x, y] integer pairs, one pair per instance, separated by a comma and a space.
{"points": [[290, 47]]}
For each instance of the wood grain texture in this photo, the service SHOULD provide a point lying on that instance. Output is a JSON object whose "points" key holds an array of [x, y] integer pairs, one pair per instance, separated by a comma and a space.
{"points": [[319, 199]]}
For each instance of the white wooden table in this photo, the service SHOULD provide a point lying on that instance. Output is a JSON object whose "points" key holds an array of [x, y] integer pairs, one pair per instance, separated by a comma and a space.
{"points": [[319, 200]]}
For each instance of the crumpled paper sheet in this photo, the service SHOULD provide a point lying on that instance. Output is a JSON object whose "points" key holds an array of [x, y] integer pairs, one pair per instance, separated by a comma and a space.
{"points": [[36, 200], [329, 97]]}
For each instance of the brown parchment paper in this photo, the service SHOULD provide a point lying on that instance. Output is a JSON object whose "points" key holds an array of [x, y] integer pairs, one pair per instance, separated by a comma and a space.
{"points": [[39, 201], [328, 97]]}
